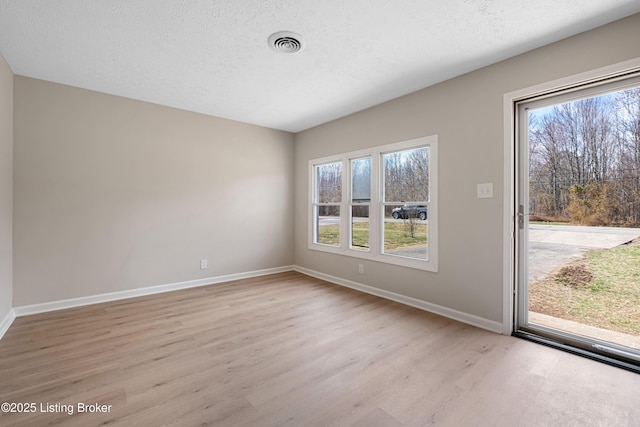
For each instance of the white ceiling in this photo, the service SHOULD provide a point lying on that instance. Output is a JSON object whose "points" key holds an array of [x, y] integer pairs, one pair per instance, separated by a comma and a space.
{"points": [[211, 56]]}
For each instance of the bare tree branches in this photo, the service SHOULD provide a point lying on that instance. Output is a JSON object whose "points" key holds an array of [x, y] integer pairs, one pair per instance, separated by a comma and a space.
{"points": [[585, 149]]}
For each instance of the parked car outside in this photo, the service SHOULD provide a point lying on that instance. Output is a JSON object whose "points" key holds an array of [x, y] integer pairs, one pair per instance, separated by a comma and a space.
{"points": [[410, 211]]}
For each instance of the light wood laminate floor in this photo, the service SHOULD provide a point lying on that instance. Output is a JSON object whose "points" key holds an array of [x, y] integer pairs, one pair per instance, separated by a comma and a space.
{"points": [[290, 350]]}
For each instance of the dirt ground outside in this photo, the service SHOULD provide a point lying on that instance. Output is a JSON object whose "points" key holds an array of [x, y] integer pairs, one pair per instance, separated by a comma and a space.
{"points": [[586, 275]]}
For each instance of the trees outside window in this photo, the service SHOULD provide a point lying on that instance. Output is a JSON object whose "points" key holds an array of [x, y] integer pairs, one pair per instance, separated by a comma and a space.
{"points": [[406, 180], [584, 160]]}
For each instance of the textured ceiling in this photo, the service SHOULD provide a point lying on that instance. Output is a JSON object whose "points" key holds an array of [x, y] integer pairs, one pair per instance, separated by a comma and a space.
{"points": [[211, 56]]}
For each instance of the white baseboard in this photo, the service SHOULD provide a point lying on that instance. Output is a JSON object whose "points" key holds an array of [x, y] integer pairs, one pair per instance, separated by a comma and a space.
{"points": [[26, 310], [6, 322], [470, 319]]}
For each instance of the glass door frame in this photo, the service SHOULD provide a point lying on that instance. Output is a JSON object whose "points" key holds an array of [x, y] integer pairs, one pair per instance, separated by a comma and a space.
{"points": [[516, 199]]}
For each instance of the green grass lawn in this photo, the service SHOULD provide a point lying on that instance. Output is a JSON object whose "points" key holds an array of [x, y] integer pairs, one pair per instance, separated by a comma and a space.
{"points": [[549, 223], [396, 235], [360, 235], [601, 290]]}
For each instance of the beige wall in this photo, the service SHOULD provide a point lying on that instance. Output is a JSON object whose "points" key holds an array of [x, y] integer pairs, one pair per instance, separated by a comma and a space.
{"points": [[6, 188], [113, 194], [467, 114]]}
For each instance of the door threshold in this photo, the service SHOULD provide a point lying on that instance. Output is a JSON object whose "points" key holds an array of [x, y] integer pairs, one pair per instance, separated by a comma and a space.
{"points": [[577, 351], [573, 327]]}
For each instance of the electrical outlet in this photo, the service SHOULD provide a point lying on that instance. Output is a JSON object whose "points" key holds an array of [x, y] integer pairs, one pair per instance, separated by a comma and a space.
{"points": [[361, 268], [203, 264]]}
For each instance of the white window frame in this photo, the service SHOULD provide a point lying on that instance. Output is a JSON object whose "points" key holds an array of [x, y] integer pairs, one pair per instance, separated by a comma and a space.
{"points": [[376, 205]]}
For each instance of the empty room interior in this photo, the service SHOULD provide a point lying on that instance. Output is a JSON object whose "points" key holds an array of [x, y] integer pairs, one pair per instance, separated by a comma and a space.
{"points": [[263, 213]]}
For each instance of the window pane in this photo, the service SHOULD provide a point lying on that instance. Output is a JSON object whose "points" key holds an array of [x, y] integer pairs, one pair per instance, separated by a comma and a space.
{"points": [[406, 235], [329, 181], [328, 225], [360, 227], [361, 180], [406, 175]]}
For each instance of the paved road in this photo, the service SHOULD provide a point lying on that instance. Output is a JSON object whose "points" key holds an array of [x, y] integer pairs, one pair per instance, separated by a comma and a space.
{"points": [[551, 246]]}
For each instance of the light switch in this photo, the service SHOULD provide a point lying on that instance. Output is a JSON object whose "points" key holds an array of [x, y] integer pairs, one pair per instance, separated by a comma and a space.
{"points": [[485, 191]]}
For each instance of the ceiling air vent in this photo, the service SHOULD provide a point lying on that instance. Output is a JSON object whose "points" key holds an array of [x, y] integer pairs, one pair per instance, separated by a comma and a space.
{"points": [[286, 42]]}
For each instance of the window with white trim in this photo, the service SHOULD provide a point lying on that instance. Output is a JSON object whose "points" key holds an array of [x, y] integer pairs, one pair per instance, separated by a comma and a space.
{"points": [[378, 204], [327, 203]]}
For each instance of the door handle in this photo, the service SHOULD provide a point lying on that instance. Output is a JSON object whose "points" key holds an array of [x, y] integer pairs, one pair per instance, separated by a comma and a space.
{"points": [[521, 217]]}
